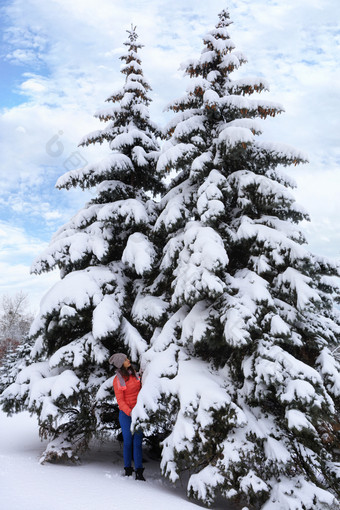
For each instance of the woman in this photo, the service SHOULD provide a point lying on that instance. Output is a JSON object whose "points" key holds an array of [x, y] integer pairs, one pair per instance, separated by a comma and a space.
{"points": [[127, 385]]}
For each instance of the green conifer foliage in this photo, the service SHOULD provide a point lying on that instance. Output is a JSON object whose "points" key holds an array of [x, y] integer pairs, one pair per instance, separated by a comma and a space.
{"points": [[86, 316], [241, 362]]}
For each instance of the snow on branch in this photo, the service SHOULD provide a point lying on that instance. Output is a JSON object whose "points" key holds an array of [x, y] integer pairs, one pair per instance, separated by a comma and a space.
{"points": [[132, 138], [175, 210], [202, 256], [283, 151], [78, 353], [175, 154], [293, 492], [232, 136], [250, 107], [107, 316], [299, 283], [91, 174], [247, 86], [274, 242], [329, 367], [189, 127], [148, 308], [71, 246], [81, 290], [139, 253], [196, 324], [133, 340], [218, 41], [299, 421], [131, 211]]}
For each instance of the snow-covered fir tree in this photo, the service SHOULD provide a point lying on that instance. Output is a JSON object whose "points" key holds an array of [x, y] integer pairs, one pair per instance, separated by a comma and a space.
{"points": [[241, 373], [102, 254]]}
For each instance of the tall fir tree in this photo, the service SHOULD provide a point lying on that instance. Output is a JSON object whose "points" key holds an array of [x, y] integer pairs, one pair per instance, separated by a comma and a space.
{"points": [[240, 374], [103, 254]]}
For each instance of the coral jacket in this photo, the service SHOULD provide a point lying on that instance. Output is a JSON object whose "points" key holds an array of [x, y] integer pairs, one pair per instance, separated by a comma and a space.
{"points": [[127, 395]]}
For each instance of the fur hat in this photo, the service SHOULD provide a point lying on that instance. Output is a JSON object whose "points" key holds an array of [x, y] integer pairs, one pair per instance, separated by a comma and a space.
{"points": [[118, 359]]}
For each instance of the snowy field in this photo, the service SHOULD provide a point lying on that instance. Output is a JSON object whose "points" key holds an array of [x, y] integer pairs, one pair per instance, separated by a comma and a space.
{"points": [[95, 484]]}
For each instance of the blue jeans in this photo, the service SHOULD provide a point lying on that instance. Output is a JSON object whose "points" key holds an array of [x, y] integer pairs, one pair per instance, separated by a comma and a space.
{"points": [[131, 442]]}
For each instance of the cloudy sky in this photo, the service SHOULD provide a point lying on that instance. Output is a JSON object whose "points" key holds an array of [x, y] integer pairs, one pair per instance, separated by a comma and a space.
{"points": [[60, 60]]}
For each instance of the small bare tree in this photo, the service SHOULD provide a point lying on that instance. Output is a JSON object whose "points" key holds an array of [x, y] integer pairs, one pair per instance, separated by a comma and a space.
{"points": [[15, 321]]}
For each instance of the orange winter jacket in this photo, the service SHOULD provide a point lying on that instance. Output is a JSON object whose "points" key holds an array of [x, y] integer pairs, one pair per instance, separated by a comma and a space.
{"points": [[127, 395]]}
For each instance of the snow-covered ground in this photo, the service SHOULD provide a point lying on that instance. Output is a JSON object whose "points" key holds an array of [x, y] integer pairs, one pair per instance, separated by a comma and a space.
{"points": [[97, 483]]}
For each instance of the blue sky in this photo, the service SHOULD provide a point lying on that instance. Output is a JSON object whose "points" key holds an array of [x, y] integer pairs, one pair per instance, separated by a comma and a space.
{"points": [[59, 60], [10, 75]]}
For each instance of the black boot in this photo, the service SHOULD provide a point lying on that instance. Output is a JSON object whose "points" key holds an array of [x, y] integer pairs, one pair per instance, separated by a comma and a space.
{"points": [[128, 471], [139, 474]]}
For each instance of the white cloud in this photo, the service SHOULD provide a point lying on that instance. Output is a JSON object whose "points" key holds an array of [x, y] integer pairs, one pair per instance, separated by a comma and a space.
{"points": [[320, 189], [34, 86], [12, 238], [16, 248], [19, 279], [27, 133]]}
